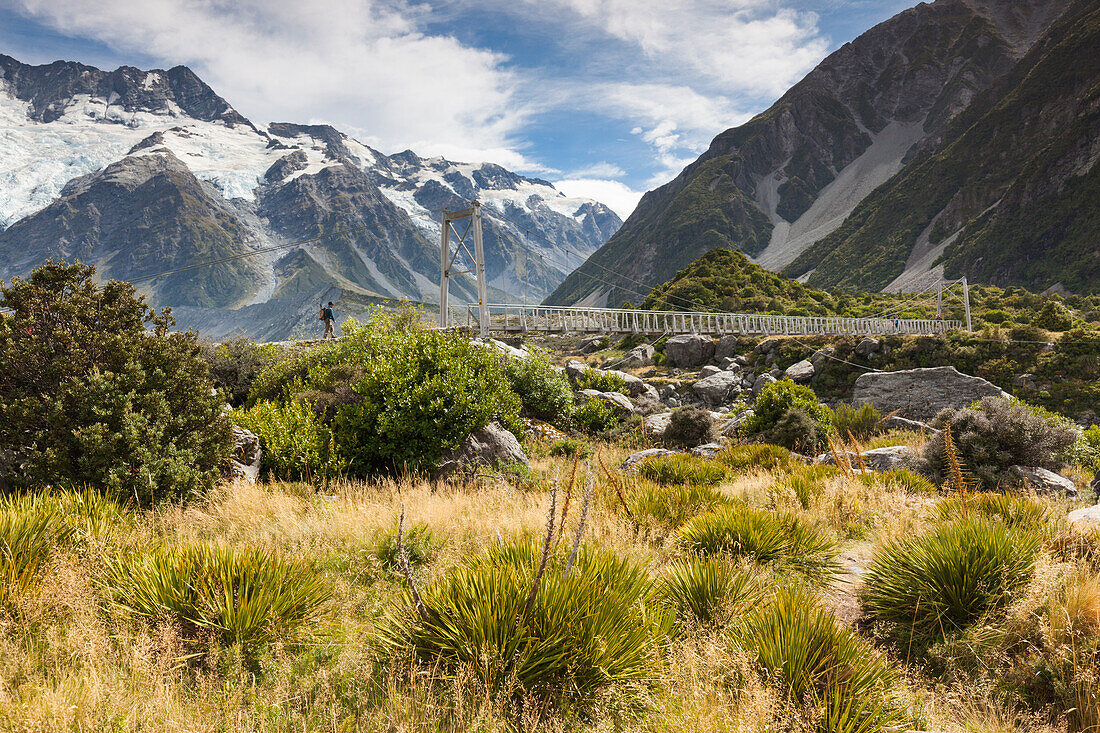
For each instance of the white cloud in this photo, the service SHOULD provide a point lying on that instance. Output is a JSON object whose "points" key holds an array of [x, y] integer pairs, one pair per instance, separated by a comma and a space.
{"points": [[621, 198], [753, 46], [356, 63], [603, 169]]}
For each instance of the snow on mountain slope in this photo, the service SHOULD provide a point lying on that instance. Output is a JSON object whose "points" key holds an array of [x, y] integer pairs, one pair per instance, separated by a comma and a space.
{"points": [[281, 182]]}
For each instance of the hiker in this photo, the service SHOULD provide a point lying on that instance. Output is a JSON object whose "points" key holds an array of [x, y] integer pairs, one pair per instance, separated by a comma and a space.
{"points": [[1095, 485], [330, 320]]}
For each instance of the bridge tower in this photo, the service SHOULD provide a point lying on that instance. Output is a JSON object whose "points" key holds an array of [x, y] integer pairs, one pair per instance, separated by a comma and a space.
{"points": [[472, 215]]}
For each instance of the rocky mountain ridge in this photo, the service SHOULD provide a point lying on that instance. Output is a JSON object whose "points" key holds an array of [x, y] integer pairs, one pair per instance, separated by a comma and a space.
{"points": [[785, 180], [141, 172]]}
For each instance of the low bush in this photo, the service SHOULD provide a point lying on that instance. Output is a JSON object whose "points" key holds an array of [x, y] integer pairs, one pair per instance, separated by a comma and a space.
{"points": [[31, 528], [1053, 316], [793, 413], [1085, 451], [571, 447], [235, 364], [545, 394], [595, 417], [586, 632], [755, 455], [671, 506], [994, 435], [860, 422], [681, 469], [602, 381], [1016, 512], [950, 577], [240, 596], [296, 444], [708, 591], [823, 664], [689, 427], [769, 538], [101, 393], [798, 430], [906, 480]]}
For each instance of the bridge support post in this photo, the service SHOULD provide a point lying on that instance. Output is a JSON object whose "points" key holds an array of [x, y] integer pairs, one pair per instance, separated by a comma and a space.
{"points": [[447, 260]]}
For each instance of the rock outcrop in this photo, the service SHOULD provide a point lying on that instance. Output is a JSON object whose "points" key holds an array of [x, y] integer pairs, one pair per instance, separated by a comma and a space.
{"points": [[919, 394]]}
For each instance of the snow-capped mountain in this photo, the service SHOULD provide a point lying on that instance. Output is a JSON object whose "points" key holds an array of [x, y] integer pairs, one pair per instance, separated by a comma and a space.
{"points": [[140, 172]]}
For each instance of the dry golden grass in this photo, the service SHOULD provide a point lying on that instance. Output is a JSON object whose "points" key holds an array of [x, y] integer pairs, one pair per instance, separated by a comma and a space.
{"points": [[70, 661]]}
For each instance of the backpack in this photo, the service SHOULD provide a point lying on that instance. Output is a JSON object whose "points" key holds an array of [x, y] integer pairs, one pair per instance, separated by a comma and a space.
{"points": [[321, 315]]}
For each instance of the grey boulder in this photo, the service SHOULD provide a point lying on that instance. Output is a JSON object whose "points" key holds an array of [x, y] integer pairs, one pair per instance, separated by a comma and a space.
{"points": [[709, 370], [867, 347], [689, 350], [639, 356], [919, 394], [761, 382], [801, 372], [876, 459], [1043, 481], [493, 445], [719, 387], [1086, 517], [634, 458], [617, 401], [244, 462], [726, 348]]}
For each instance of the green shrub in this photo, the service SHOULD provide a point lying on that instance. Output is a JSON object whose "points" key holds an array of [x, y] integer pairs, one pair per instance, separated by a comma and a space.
{"points": [[671, 506], [772, 409], [1016, 512], [950, 577], [420, 543], [708, 590], [296, 444], [571, 447], [420, 393], [546, 395], [823, 665], [602, 381], [996, 435], [235, 364], [681, 469], [1085, 451], [241, 596], [756, 455], [595, 416], [689, 427], [1053, 316], [860, 422], [798, 430], [31, 528], [89, 396], [769, 538], [587, 632]]}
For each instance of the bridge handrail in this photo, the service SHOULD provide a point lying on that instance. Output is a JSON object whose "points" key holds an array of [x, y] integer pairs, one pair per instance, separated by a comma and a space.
{"points": [[625, 320]]}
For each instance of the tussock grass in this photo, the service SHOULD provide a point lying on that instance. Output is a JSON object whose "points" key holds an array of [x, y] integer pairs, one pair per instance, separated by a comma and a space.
{"points": [[586, 631], [1018, 512], [244, 597], [950, 577], [31, 529], [769, 538], [668, 507], [800, 647], [708, 591], [755, 455], [679, 469]]}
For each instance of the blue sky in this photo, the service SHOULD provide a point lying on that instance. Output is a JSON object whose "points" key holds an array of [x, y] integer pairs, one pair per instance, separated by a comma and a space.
{"points": [[607, 98]]}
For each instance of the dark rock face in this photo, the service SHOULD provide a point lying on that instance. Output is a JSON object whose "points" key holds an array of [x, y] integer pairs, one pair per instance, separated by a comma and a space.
{"points": [[921, 67], [140, 216], [51, 88]]}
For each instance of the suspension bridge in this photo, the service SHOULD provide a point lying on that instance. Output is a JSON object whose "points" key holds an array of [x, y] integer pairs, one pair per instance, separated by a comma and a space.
{"points": [[487, 318]]}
